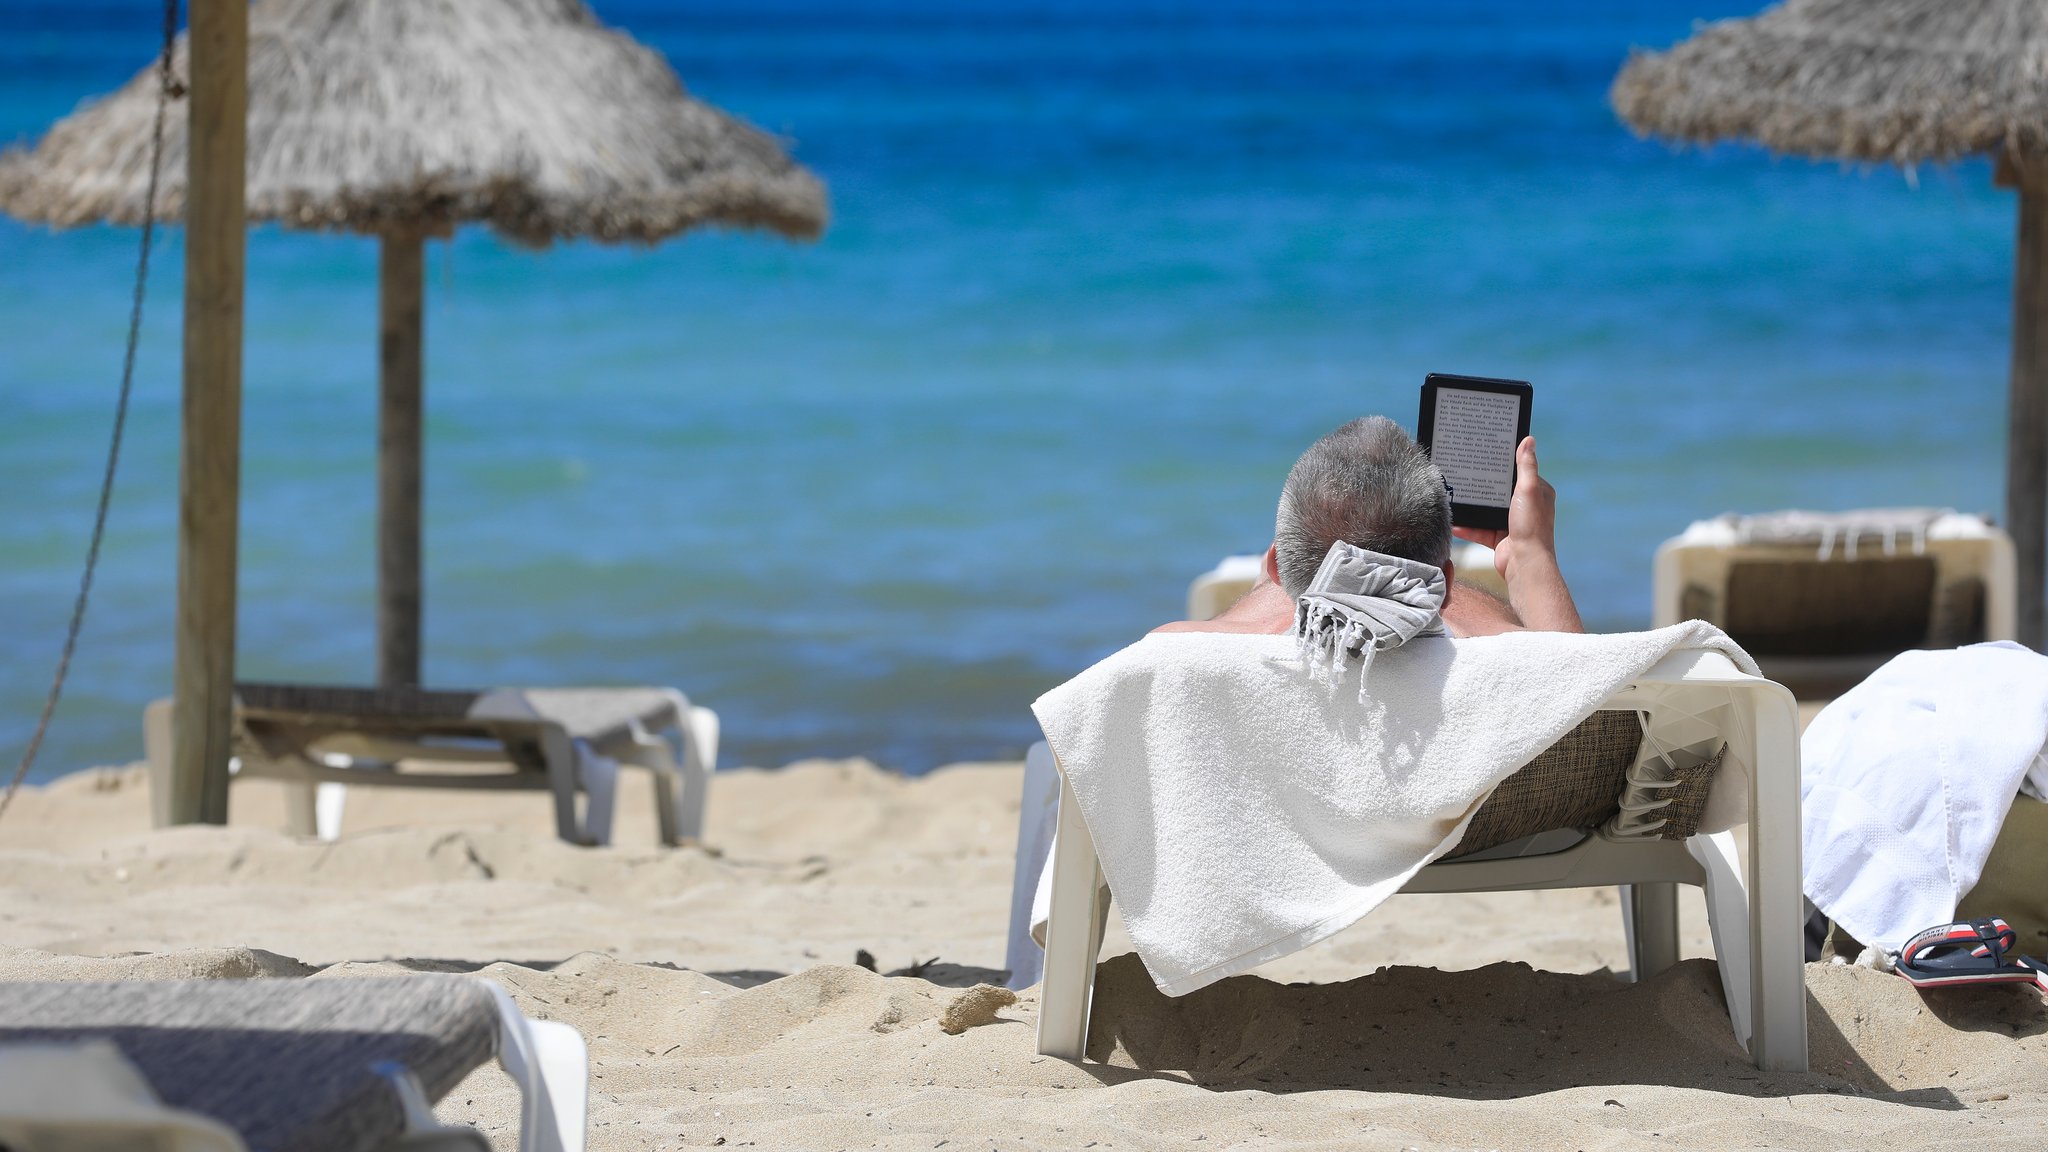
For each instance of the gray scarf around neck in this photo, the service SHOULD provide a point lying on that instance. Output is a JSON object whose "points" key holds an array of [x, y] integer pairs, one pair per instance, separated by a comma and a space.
{"points": [[1362, 603]]}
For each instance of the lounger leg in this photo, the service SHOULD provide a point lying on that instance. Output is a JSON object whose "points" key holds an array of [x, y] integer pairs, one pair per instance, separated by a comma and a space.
{"points": [[156, 746], [652, 751], [700, 760], [560, 753], [1776, 907], [1649, 914], [681, 783], [665, 801], [330, 801], [599, 777], [1037, 811], [565, 1066], [1728, 920], [682, 789], [301, 809], [1073, 936], [551, 1065]]}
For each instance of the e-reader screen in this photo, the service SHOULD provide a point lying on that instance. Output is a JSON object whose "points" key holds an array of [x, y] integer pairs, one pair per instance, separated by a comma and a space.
{"points": [[1470, 426]]}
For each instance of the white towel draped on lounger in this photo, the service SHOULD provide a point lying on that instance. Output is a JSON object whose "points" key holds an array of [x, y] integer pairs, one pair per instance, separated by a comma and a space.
{"points": [[1906, 780], [1244, 809]]}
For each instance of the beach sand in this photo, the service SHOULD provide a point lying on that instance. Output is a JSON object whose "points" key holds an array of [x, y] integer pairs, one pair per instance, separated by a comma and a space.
{"points": [[717, 989]]}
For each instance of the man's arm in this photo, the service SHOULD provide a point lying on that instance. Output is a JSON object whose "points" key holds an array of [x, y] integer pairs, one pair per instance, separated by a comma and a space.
{"points": [[1526, 554]]}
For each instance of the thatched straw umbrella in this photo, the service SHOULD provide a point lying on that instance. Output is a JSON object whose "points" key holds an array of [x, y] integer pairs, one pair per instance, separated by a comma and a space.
{"points": [[405, 120], [1897, 82]]}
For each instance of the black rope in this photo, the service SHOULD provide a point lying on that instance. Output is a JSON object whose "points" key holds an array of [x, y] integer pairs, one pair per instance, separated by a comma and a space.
{"points": [[167, 86]]}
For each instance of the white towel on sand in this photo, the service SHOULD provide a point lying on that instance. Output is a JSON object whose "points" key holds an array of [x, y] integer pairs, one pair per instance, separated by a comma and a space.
{"points": [[1243, 810], [1906, 779]]}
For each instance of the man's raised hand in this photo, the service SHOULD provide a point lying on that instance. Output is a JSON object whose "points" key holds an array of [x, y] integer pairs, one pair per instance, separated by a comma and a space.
{"points": [[1532, 516], [1526, 554]]}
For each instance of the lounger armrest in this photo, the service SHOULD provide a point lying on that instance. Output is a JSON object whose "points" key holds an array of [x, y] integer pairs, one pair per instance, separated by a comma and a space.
{"points": [[1700, 666], [1765, 738]]}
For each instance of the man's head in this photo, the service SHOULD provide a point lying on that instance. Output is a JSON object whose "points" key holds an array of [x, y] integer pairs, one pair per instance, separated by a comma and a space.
{"points": [[1367, 484]]}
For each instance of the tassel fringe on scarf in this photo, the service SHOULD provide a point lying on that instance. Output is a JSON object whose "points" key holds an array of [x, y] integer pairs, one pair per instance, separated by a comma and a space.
{"points": [[1362, 603]]}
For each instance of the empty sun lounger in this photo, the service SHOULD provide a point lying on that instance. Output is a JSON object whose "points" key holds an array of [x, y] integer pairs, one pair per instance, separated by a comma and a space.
{"points": [[567, 741], [339, 1065], [1583, 814], [1822, 599]]}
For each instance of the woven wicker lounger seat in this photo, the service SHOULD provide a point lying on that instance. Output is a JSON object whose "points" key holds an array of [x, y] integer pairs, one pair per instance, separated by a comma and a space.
{"points": [[1577, 786]]}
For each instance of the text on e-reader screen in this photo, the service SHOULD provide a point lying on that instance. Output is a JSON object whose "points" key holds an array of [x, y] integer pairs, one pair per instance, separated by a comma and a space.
{"points": [[1473, 443]]}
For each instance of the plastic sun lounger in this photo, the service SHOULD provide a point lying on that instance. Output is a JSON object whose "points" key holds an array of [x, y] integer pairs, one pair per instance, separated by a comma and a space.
{"points": [[1691, 703], [319, 739], [345, 1065], [1822, 600]]}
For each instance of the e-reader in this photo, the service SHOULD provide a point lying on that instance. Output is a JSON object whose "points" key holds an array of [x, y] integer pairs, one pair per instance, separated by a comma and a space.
{"points": [[1470, 426]]}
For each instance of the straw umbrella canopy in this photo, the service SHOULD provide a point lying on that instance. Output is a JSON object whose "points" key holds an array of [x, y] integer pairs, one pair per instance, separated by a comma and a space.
{"points": [[1899, 82], [406, 120]]}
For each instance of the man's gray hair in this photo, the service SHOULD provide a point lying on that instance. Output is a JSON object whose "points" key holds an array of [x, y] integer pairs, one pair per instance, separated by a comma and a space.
{"points": [[1368, 484]]}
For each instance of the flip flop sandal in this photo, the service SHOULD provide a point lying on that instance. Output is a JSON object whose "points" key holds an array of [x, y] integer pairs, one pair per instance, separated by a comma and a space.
{"points": [[1967, 952], [2039, 967]]}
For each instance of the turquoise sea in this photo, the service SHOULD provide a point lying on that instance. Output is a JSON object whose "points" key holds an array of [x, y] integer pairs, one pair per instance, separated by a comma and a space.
{"points": [[1097, 272]]}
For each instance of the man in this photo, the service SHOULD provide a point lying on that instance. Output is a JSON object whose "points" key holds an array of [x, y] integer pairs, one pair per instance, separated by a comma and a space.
{"points": [[1370, 484]]}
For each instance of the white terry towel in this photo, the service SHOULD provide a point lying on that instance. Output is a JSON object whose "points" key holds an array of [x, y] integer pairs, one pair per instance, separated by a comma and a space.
{"points": [[1906, 779], [1244, 808]]}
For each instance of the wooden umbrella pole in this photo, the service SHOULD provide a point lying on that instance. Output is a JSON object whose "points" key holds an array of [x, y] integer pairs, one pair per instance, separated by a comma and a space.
{"points": [[400, 284], [209, 466], [2026, 483]]}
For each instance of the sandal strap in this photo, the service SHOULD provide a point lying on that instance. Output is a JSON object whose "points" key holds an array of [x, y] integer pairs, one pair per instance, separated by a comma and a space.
{"points": [[1996, 935], [1991, 934]]}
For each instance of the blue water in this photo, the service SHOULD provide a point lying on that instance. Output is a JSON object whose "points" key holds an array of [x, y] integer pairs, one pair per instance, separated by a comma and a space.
{"points": [[1096, 273]]}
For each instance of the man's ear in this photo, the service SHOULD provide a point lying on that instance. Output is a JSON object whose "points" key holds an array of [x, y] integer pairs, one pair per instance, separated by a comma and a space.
{"points": [[1272, 563], [1450, 578]]}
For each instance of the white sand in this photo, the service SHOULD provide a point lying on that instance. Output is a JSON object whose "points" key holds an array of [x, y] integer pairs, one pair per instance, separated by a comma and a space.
{"points": [[717, 993]]}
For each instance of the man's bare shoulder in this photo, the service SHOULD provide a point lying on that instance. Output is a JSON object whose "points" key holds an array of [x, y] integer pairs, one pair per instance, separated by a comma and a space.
{"points": [[1476, 612], [1263, 611], [1247, 627]]}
